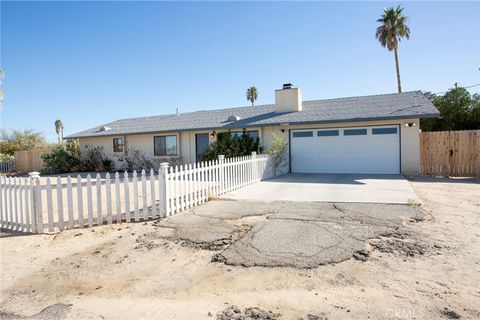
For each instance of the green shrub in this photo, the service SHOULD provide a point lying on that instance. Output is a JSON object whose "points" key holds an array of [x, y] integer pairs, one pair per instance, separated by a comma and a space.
{"points": [[107, 164], [278, 153], [59, 160], [232, 146]]}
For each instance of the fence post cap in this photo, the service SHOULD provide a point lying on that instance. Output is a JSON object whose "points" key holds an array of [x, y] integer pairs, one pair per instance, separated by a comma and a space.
{"points": [[221, 157], [34, 174], [164, 165], [254, 153]]}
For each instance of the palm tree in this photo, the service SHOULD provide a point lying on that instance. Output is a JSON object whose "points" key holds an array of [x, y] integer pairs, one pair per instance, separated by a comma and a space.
{"points": [[252, 95], [392, 29], [59, 130]]}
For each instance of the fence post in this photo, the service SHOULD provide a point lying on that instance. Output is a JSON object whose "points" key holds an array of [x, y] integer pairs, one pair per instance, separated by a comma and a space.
{"points": [[221, 162], [252, 177], [35, 196], [162, 182]]}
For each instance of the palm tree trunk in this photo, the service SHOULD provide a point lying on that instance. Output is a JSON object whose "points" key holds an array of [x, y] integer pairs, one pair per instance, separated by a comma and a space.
{"points": [[398, 70]]}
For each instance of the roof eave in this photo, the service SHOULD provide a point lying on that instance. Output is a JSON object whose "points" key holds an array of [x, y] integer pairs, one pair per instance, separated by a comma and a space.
{"points": [[428, 115]]}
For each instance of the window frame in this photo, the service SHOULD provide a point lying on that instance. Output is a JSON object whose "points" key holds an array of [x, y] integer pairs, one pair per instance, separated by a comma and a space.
{"points": [[335, 131], [166, 154], [355, 132], [382, 131], [116, 145], [302, 134]]}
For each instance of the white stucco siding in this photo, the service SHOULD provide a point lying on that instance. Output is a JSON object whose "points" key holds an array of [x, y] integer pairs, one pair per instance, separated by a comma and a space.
{"points": [[409, 141]]}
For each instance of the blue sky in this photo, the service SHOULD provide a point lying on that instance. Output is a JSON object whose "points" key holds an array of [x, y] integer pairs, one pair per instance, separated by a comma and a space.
{"points": [[94, 62]]}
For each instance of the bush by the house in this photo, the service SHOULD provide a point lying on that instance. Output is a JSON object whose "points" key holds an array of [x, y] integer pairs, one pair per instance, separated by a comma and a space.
{"points": [[232, 146], [93, 159], [278, 153], [59, 160], [133, 159]]}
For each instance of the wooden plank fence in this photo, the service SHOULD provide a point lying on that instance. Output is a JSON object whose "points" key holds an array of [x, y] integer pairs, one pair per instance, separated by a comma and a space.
{"points": [[450, 153], [27, 204], [28, 161]]}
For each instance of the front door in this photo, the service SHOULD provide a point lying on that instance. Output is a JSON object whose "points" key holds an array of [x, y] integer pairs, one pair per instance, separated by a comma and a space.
{"points": [[201, 144]]}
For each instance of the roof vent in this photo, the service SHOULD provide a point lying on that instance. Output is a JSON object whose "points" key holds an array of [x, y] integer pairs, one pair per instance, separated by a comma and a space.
{"points": [[287, 86], [233, 117], [104, 128]]}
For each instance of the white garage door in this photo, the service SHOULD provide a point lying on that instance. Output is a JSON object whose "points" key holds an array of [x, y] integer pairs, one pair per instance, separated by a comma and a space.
{"points": [[346, 150]]}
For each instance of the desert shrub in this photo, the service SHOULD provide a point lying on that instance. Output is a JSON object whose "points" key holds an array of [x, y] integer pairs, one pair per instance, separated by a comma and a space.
{"points": [[232, 146], [73, 147], [133, 159], [92, 159], [107, 164], [59, 160], [278, 153], [6, 157]]}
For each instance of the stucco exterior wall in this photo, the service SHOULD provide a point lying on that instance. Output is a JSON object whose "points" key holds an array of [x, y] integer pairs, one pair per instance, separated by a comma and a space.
{"points": [[409, 141]]}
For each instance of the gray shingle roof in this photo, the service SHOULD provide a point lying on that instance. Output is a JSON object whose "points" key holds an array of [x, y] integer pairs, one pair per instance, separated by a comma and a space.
{"points": [[378, 107]]}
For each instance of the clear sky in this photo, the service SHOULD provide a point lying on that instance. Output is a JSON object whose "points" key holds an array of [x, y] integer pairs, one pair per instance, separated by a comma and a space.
{"points": [[94, 62]]}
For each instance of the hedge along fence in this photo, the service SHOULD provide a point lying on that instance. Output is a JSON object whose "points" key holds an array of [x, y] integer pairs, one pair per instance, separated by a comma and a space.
{"points": [[64, 203]]}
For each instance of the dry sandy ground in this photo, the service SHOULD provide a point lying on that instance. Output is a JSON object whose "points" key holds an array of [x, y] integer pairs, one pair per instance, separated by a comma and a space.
{"points": [[108, 272]]}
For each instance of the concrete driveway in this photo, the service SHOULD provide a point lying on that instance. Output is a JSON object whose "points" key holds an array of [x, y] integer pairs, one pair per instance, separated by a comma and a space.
{"points": [[330, 188]]}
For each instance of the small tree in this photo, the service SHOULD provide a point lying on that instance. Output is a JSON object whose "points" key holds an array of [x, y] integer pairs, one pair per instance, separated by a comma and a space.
{"points": [[17, 140], [278, 153]]}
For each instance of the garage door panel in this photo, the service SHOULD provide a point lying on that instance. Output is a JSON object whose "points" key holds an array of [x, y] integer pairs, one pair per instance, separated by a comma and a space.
{"points": [[370, 153]]}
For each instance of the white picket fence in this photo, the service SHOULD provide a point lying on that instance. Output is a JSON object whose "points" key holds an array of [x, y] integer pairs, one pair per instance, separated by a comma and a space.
{"points": [[28, 205]]}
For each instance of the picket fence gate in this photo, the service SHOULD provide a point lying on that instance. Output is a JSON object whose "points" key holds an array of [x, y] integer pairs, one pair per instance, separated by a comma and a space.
{"points": [[28, 205]]}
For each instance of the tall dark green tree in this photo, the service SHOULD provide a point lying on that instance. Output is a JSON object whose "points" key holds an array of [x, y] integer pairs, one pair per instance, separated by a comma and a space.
{"points": [[393, 27], [459, 110]]}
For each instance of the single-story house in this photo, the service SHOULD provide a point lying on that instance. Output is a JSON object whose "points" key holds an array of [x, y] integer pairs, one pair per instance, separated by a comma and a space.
{"points": [[376, 134]]}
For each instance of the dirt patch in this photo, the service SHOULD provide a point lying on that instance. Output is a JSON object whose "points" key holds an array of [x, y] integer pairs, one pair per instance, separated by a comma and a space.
{"points": [[133, 271], [57, 311], [449, 314], [235, 313]]}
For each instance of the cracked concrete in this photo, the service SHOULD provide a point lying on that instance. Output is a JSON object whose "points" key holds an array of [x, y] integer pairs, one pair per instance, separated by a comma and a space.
{"points": [[280, 233]]}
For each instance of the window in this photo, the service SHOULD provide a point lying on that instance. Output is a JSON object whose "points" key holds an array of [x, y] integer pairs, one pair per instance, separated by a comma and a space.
{"points": [[117, 144], [327, 133], [384, 131], [165, 146], [302, 134], [355, 132]]}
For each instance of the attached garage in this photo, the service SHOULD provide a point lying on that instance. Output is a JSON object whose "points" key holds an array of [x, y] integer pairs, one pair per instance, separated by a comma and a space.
{"points": [[372, 150]]}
